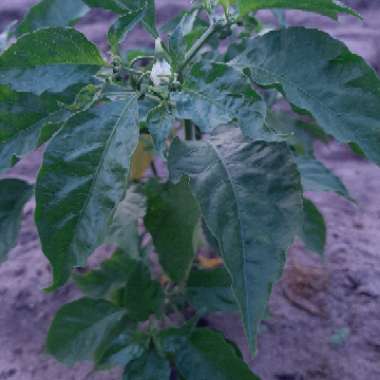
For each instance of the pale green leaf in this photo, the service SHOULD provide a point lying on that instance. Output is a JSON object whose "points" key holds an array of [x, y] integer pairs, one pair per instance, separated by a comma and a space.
{"points": [[82, 180], [250, 197]]}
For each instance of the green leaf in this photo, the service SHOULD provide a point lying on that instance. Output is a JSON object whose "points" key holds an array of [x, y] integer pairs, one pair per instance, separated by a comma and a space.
{"points": [[79, 327], [82, 179], [314, 228], [116, 6], [122, 26], [316, 177], [173, 238], [319, 74], [215, 94], [142, 295], [123, 230], [121, 345], [14, 193], [49, 60], [48, 13], [207, 355], [210, 290], [150, 366], [325, 7], [250, 198], [26, 122], [111, 275], [160, 122]]}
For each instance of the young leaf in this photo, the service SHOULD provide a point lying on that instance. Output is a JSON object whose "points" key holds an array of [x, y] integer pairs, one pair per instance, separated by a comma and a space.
{"points": [[215, 94], [319, 74], [207, 355], [49, 60], [48, 13], [210, 290], [250, 198], [26, 122], [314, 228], [325, 7], [142, 295], [82, 179], [171, 219], [14, 193], [150, 366], [79, 327], [316, 177]]}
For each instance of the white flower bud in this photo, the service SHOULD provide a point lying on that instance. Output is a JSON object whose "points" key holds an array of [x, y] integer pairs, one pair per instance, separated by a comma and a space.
{"points": [[161, 72]]}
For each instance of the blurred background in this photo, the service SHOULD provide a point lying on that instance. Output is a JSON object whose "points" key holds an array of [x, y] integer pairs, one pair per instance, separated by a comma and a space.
{"points": [[324, 315]]}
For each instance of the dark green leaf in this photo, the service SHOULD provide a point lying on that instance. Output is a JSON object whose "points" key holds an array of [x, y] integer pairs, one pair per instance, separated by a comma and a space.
{"points": [[316, 177], [14, 193], [151, 366], [142, 295], [250, 197], [122, 26], [171, 219], [325, 7], [50, 60], [314, 228], [116, 6], [319, 74], [207, 355], [79, 327], [210, 290], [160, 122], [48, 13], [82, 179], [214, 95]]}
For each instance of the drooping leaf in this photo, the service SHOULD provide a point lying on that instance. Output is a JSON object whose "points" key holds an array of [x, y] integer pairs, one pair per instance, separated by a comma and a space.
{"points": [[49, 60], [328, 8], [79, 327], [210, 290], [205, 354], [112, 274], [171, 219], [151, 366], [317, 177], [122, 26], [82, 179], [124, 227], [121, 345], [14, 193], [319, 74], [26, 122], [160, 122], [250, 198], [215, 95], [314, 228], [142, 295], [48, 13]]}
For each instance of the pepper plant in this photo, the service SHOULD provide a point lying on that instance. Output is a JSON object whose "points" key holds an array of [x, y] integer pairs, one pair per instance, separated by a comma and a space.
{"points": [[205, 139]]}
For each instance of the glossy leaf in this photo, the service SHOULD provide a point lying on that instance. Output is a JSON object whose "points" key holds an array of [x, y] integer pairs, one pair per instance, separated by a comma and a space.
{"points": [[52, 13], [14, 193], [79, 327], [150, 366], [82, 179], [207, 355], [338, 88], [317, 177], [314, 228], [49, 60], [250, 198], [210, 290], [215, 94], [328, 8], [171, 219]]}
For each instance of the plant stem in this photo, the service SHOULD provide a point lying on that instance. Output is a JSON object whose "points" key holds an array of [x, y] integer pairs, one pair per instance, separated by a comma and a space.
{"points": [[189, 130]]}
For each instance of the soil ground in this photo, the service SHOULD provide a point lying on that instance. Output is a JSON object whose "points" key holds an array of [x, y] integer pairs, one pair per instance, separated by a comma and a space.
{"points": [[324, 314]]}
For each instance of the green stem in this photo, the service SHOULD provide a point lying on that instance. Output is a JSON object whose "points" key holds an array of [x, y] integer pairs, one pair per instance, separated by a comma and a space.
{"points": [[189, 130]]}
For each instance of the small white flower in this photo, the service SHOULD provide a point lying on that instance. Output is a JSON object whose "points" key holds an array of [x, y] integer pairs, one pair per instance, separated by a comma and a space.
{"points": [[161, 72]]}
